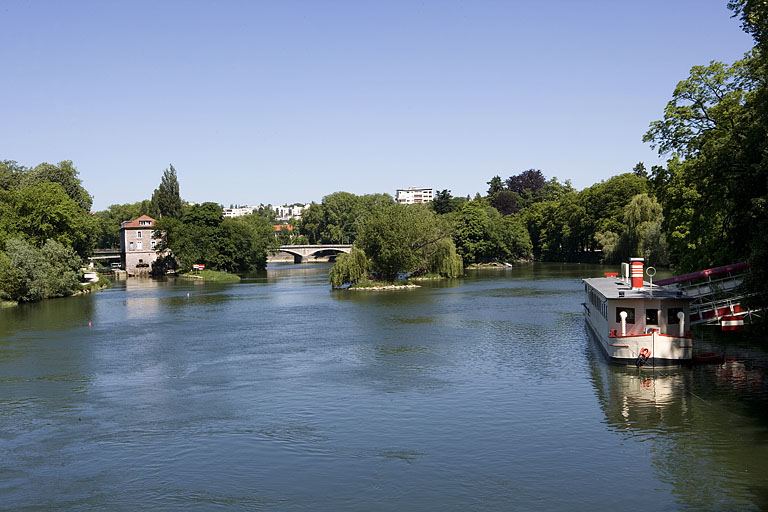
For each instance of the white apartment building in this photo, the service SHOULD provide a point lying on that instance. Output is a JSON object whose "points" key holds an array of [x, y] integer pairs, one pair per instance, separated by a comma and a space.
{"points": [[239, 212], [286, 212], [414, 195]]}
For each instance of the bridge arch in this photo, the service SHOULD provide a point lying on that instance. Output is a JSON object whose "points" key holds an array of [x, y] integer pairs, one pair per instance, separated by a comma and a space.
{"points": [[301, 252]]}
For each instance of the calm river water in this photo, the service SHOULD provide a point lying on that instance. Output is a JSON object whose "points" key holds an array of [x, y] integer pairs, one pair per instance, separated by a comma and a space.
{"points": [[279, 394]]}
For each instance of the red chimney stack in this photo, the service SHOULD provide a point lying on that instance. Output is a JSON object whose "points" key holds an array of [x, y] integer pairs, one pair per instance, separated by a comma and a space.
{"points": [[636, 272]]}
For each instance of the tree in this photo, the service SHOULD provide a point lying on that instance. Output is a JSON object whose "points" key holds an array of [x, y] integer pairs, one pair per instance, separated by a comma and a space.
{"points": [[341, 211], [604, 203], [334, 220], [512, 239], [471, 234], [204, 236], [311, 224], [166, 200], [531, 180], [440, 258], [29, 274], [393, 237], [639, 170], [66, 175], [349, 268], [443, 202], [505, 202], [43, 210], [642, 235], [495, 186], [754, 19], [10, 174], [715, 185]]}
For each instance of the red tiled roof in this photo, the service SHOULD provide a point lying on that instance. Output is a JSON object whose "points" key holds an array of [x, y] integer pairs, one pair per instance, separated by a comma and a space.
{"points": [[135, 222], [280, 227]]}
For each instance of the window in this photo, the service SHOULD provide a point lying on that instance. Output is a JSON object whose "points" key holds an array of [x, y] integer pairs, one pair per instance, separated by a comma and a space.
{"points": [[151, 234], [130, 246], [651, 317], [138, 246], [630, 315], [672, 315], [153, 244], [138, 234]]}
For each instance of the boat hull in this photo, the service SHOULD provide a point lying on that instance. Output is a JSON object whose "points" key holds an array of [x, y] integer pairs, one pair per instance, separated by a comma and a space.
{"points": [[664, 350]]}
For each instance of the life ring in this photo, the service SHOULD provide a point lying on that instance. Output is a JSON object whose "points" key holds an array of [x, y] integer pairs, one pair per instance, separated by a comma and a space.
{"points": [[645, 353]]}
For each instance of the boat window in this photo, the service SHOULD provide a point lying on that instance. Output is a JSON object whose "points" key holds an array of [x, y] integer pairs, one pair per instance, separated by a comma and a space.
{"points": [[630, 315], [651, 317], [672, 315]]}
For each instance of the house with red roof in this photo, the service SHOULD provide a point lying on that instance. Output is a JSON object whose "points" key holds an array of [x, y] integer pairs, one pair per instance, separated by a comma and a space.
{"points": [[138, 243]]}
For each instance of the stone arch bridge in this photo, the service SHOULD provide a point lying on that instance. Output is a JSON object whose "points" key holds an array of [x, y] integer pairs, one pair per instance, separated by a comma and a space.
{"points": [[304, 253]]}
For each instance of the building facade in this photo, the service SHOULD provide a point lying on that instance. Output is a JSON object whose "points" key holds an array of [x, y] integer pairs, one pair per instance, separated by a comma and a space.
{"points": [[414, 195], [286, 213], [138, 242], [239, 211]]}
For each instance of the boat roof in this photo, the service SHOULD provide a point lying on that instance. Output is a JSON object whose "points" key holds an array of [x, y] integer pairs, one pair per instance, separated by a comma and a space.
{"points": [[616, 288]]}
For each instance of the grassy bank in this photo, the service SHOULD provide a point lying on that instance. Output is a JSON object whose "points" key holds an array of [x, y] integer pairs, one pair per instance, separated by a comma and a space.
{"points": [[212, 276], [102, 284]]}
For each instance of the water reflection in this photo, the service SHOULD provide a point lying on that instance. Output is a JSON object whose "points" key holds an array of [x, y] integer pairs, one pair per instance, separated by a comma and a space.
{"points": [[47, 315], [687, 415]]}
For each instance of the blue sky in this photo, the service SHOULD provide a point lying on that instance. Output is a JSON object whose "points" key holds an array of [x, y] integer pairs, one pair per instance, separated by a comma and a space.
{"points": [[287, 101]]}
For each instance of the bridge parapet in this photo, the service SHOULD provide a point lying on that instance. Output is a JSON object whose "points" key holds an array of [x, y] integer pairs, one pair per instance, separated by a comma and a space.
{"points": [[301, 252]]}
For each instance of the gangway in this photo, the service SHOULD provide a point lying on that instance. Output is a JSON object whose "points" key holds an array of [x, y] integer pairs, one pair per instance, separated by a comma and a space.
{"points": [[718, 296]]}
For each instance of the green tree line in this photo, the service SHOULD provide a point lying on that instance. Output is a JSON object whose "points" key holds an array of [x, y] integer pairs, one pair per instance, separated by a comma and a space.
{"points": [[45, 230]]}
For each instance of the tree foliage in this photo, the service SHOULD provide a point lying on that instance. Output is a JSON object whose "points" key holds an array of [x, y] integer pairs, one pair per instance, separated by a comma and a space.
{"points": [[66, 175], [349, 268], [41, 210], [642, 235], [482, 234], [505, 201], [107, 222], [714, 188], [28, 273], [392, 236], [333, 221], [204, 236], [166, 199]]}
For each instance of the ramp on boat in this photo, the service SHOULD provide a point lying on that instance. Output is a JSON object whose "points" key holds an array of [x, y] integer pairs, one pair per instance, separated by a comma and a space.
{"points": [[718, 295]]}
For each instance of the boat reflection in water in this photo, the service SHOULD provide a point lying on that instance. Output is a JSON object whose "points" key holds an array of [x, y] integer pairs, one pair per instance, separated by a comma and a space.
{"points": [[641, 400], [685, 418]]}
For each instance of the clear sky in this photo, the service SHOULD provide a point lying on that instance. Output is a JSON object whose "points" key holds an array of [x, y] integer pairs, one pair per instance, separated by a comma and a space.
{"points": [[287, 101]]}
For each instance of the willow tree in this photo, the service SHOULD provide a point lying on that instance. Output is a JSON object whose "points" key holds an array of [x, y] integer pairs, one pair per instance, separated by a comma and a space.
{"points": [[349, 268], [393, 237]]}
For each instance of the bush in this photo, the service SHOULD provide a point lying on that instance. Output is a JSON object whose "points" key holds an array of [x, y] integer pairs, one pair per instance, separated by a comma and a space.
{"points": [[28, 274]]}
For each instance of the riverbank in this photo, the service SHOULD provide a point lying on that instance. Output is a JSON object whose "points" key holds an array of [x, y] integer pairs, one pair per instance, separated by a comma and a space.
{"points": [[378, 287], [102, 284], [493, 264], [216, 276]]}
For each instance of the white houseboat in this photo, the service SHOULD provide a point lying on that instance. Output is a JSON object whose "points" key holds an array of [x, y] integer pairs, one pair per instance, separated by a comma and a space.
{"points": [[636, 323]]}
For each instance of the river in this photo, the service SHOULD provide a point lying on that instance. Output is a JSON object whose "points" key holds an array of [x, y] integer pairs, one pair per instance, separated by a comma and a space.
{"points": [[276, 393]]}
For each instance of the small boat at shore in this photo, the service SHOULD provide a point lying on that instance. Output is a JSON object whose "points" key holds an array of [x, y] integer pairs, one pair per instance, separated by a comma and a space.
{"points": [[636, 323]]}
